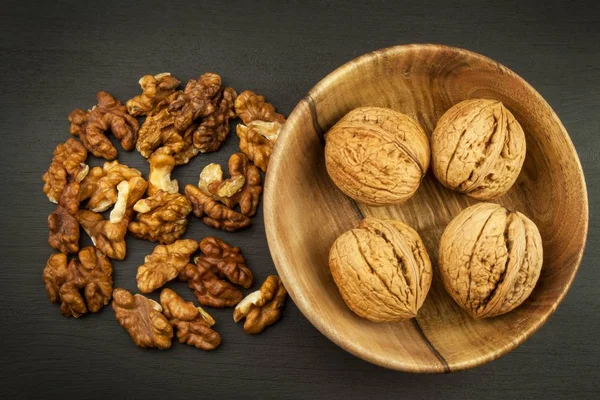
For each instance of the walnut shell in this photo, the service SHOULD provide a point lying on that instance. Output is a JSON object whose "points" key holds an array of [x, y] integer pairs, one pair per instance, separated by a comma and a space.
{"points": [[478, 149], [376, 155], [382, 270], [490, 259]]}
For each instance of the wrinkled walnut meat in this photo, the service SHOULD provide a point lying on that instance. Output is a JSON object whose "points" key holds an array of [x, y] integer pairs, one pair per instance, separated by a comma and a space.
{"points": [[261, 308], [212, 176], [209, 289], [154, 89], [257, 140], [377, 156], [158, 131], [260, 128], [108, 114], [248, 197], [159, 135], [185, 123], [251, 107], [213, 213], [100, 186], [64, 228], [143, 319], [382, 270], [214, 128], [226, 260], [188, 151], [243, 187], [128, 193], [478, 148], [161, 166], [193, 324], [68, 164], [90, 274], [195, 101], [218, 262], [490, 259], [164, 264], [107, 236], [161, 217]]}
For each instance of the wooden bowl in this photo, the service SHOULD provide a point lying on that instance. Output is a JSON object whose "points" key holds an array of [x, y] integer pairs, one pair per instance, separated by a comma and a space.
{"points": [[305, 212]]}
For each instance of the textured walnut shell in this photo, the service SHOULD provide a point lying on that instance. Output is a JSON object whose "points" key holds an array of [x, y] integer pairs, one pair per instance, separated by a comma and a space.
{"points": [[490, 259], [478, 149], [376, 155], [382, 270]]}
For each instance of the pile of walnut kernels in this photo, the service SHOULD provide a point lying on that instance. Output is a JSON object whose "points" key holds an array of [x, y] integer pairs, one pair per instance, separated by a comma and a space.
{"points": [[178, 125]]}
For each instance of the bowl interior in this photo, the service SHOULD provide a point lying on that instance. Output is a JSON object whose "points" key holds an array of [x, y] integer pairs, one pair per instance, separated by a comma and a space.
{"points": [[305, 212]]}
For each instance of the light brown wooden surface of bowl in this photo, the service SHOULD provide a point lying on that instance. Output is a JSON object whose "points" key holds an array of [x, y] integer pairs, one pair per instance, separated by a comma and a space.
{"points": [[305, 212]]}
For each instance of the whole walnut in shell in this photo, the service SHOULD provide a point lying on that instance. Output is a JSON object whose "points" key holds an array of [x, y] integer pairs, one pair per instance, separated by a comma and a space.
{"points": [[376, 155], [490, 259], [382, 270], [478, 148]]}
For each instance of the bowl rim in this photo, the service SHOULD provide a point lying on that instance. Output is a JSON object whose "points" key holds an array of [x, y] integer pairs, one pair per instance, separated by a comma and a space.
{"points": [[301, 299]]}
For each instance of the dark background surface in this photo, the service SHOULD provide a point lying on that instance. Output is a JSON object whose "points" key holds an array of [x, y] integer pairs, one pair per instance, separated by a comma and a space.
{"points": [[56, 56]]}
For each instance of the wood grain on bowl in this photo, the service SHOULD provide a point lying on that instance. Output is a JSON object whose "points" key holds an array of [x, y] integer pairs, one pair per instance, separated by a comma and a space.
{"points": [[305, 212]]}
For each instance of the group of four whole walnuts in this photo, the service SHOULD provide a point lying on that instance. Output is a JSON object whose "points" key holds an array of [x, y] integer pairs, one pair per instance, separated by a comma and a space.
{"points": [[489, 258], [179, 125]]}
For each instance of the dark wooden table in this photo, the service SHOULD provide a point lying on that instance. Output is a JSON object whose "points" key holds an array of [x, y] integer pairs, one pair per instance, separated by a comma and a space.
{"points": [[56, 56]]}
